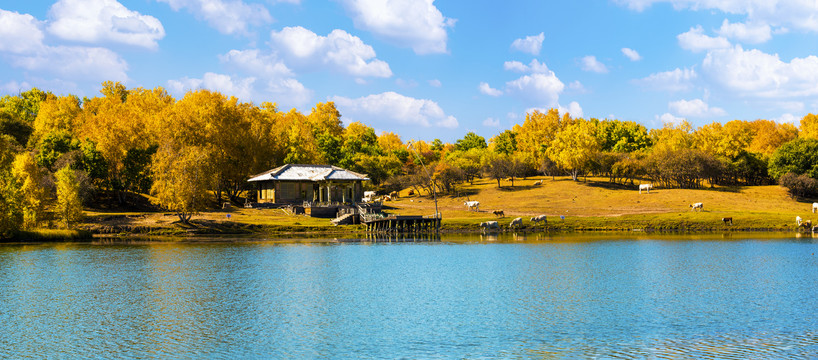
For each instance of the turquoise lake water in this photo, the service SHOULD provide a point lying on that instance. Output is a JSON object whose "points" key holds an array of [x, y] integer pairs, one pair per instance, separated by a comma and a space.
{"points": [[605, 296]]}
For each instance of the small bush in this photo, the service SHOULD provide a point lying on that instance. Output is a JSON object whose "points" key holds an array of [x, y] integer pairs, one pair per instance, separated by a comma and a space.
{"points": [[799, 185]]}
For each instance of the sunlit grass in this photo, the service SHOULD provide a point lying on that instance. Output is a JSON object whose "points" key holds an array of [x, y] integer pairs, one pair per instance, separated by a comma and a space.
{"points": [[591, 205]]}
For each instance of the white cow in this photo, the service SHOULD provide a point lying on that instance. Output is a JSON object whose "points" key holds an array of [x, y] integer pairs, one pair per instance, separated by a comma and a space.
{"points": [[368, 196], [472, 205], [518, 222], [695, 206], [798, 220], [538, 183], [645, 187], [814, 207], [539, 218], [489, 225]]}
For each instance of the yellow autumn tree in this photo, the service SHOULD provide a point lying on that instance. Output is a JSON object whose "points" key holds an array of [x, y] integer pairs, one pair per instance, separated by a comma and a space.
{"points": [[809, 126], [536, 134], [69, 205], [28, 176], [182, 177], [770, 135], [56, 114], [672, 137], [574, 146]]}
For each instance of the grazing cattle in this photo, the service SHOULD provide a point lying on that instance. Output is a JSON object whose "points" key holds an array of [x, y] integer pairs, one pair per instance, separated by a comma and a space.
{"points": [[386, 198], [499, 213], [727, 221], [798, 220], [368, 196], [539, 218], [472, 205], [806, 224], [411, 192], [698, 206], [814, 207], [518, 222], [538, 183], [645, 187], [489, 225], [393, 195]]}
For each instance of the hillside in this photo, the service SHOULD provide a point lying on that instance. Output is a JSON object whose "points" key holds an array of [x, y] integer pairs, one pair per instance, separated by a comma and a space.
{"points": [[596, 204]]}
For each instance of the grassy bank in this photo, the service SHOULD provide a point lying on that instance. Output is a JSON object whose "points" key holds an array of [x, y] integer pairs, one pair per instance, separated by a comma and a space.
{"points": [[50, 235], [569, 205]]}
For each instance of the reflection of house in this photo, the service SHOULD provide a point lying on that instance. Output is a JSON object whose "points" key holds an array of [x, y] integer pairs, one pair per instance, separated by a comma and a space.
{"points": [[297, 183]]}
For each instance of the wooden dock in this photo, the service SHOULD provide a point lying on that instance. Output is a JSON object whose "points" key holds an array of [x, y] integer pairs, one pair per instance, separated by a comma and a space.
{"points": [[402, 224]]}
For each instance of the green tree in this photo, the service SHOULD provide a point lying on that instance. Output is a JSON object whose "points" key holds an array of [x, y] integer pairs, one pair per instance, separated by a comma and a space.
{"points": [[622, 136], [53, 146], [799, 156], [11, 201], [69, 205], [470, 141], [505, 142], [15, 127], [136, 172]]}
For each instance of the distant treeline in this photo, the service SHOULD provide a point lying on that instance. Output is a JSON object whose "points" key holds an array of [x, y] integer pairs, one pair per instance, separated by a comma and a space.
{"points": [[198, 150]]}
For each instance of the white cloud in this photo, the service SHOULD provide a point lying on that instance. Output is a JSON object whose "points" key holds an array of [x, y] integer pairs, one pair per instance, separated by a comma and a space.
{"points": [[590, 63], [254, 62], [631, 54], [755, 73], [542, 89], [576, 86], [74, 62], [748, 33], [695, 108], [788, 119], [797, 13], [668, 118], [695, 40], [394, 107], [22, 41], [19, 33], [240, 88], [491, 122], [226, 16], [286, 92], [435, 83], [95, 21], [530, 44], [417, 24], [573, 109], [13, 87], [533, 67], [339, 50], [488, 90], [674, 80]]}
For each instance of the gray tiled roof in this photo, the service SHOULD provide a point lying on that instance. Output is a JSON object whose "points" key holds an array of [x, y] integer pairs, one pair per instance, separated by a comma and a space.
{"points": [[302, 172]]}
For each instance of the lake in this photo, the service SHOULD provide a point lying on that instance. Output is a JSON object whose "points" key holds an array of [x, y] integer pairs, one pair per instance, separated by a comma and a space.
{"points": [[467, 296]]}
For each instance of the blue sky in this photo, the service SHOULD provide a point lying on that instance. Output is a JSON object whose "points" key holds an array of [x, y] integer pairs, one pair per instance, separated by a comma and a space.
{"points": [[425, 69]]}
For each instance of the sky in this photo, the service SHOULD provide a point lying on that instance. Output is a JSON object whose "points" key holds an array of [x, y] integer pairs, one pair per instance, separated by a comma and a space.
{"points": [[425, 69]]}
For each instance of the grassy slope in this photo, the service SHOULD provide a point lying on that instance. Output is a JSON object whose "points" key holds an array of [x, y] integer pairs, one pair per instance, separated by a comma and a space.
{"points": [[592, 205], [598, 205]]}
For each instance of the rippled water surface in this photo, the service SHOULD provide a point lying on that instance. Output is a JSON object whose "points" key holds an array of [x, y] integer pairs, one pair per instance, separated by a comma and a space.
{"points": [[605, 297]]}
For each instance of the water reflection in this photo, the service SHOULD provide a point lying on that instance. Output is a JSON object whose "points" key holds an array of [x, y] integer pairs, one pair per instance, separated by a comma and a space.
{"points": [[466, 296]]}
